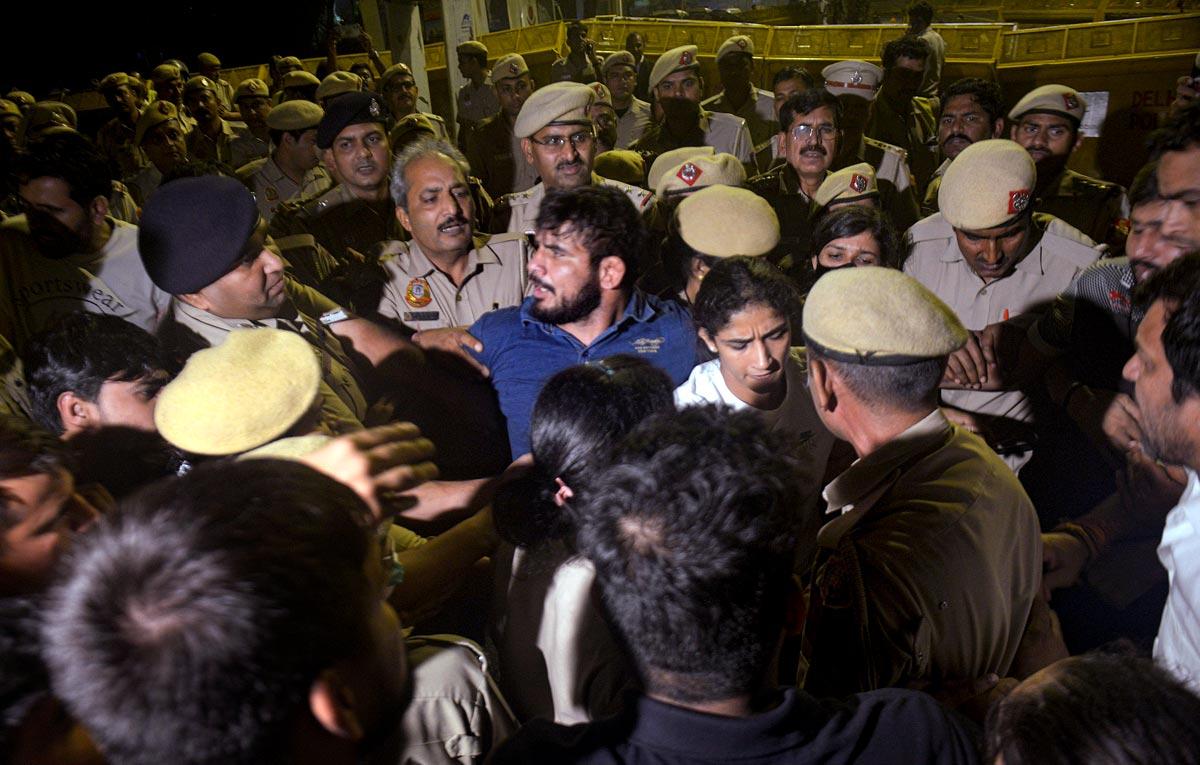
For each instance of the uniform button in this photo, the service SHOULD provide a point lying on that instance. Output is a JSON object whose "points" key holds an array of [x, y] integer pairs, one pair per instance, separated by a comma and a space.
{"points": [[943, 605], [457, 297]]}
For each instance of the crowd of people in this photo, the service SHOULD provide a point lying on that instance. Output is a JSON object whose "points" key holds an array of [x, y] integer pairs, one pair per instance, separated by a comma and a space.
{"points": [[604, 423]]}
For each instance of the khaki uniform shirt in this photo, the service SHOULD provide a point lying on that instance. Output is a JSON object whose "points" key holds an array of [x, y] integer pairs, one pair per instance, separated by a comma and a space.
{"points": [[421, 296], [912, 133], [724, 132], [225, 93], [496, 158], [475, 104], [927, 570], [1097, 208], [522, 208], [200, 146], [565, 69], [247, 147], [759, 113], [343, 406], [339, 221], [934, 64], [115, 139], [632, 123], [930, 205], [271, 186], [1050, 268]]}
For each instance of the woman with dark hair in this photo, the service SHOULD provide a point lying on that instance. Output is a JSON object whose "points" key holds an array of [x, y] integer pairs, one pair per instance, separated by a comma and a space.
{"points": [[557, 657], [1098, 709], [854, 236], [744, 314]]}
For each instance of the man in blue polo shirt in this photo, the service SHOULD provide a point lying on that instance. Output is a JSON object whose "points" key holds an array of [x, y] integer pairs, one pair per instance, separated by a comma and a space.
{"points": [[582, 306]]}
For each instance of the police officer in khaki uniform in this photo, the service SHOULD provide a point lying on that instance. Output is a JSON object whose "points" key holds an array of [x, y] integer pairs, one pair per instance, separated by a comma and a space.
{"points": [[991, 259], [899, 116], [300, 84], [209, 66], [633, 114], [293, 169], [929, 565], [445, 276], [1046, 122], [400, 92], [476, 99], [677, 85], [213, 136], [739, 96], [558, 139], [496, 157], [337, 83], [115, 138], [253, 101], [167, 80], [160, 134]]}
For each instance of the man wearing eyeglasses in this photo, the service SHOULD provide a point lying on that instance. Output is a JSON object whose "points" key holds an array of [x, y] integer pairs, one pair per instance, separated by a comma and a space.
{"points": [[676, 83], [400, 91], [558, 140], [633, 114], [494, 152], [1046, 122]]}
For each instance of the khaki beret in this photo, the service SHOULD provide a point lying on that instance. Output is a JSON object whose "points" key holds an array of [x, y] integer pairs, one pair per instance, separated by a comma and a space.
{"points": [[472, 47], [560, 103], [114, 81], [849, 184], [620, 165], [853, 78], [508, 67], [878, 317], [301, 78], [988, 184], [1051, 99], [199, 82], [724, 222], [620, 58], [701, 172], [336, 83], [290, 61], [9, 109], [153, 115], [250, 88], [21, 98], [735, 44], [295, 115], [410, 127], [45, 115], [674, 60], [394, 71], [207, 59], [165, 72], [248, 391], [603, 94], [673, 158]]}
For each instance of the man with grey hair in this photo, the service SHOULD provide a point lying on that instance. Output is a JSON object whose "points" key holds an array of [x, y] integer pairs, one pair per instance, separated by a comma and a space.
{"points": [[445, 277]]}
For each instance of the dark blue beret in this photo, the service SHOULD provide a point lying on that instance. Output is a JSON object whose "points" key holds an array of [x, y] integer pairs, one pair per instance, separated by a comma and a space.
{"points": [[193, 231], [349, 109]]}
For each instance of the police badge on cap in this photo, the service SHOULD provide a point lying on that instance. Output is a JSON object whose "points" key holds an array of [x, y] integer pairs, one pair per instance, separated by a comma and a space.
{"points": [[858, 183], [1017, 201], [689, 173]]}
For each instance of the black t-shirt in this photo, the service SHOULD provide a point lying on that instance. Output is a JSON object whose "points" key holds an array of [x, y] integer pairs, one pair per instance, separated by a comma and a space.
{"points": [[885, 726]]}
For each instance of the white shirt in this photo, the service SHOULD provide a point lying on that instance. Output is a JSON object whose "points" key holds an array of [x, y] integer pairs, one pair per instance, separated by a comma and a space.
{"points": [[1177, 647]]}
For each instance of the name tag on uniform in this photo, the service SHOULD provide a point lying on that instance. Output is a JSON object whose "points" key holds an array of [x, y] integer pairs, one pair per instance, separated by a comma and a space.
{"points": [[421, 315]]}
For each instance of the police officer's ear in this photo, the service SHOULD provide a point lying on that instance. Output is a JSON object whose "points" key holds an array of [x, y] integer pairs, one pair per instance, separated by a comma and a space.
{"points": [[330, 165], [331, 702], [822, 384], [998, 128], [402, 216], [611, 272], [527, 150]]}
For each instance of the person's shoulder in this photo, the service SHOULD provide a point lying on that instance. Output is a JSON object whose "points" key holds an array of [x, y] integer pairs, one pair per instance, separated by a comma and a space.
{"points": [[885, 147], [873, 721], [641, 197], [766, 183], [502, 321], [725, 120], [1085, 185], [250, 169], [546, 741], [521, 198], [709, 102], [931, 228], [1062, 240]]}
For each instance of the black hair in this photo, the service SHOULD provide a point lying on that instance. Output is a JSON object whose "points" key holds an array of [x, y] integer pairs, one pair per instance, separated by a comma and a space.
{"points": [[1145, 185], [1178, 285], [604, 220], [190, 625], [1181, 132], [1100, 709], [630, 36], [277, 135], [807, 102], [71, 157], [921, 10], [734, 284], [23, 676], [908, 46], [79, 354], [693, 538], [580, 415], [850, 220], [986, 93], [196, 168], [26, 449], [795, 73], [577, 26]]}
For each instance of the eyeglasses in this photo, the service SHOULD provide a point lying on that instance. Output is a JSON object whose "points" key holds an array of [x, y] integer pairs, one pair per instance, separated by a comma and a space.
{"points": [[557, 142], [804, 132]]}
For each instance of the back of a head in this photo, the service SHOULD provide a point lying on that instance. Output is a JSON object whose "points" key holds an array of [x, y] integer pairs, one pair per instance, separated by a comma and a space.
{"points": [[693, 538], [189, 626], [1098, 709], [1180, 132], [580, 415]]}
